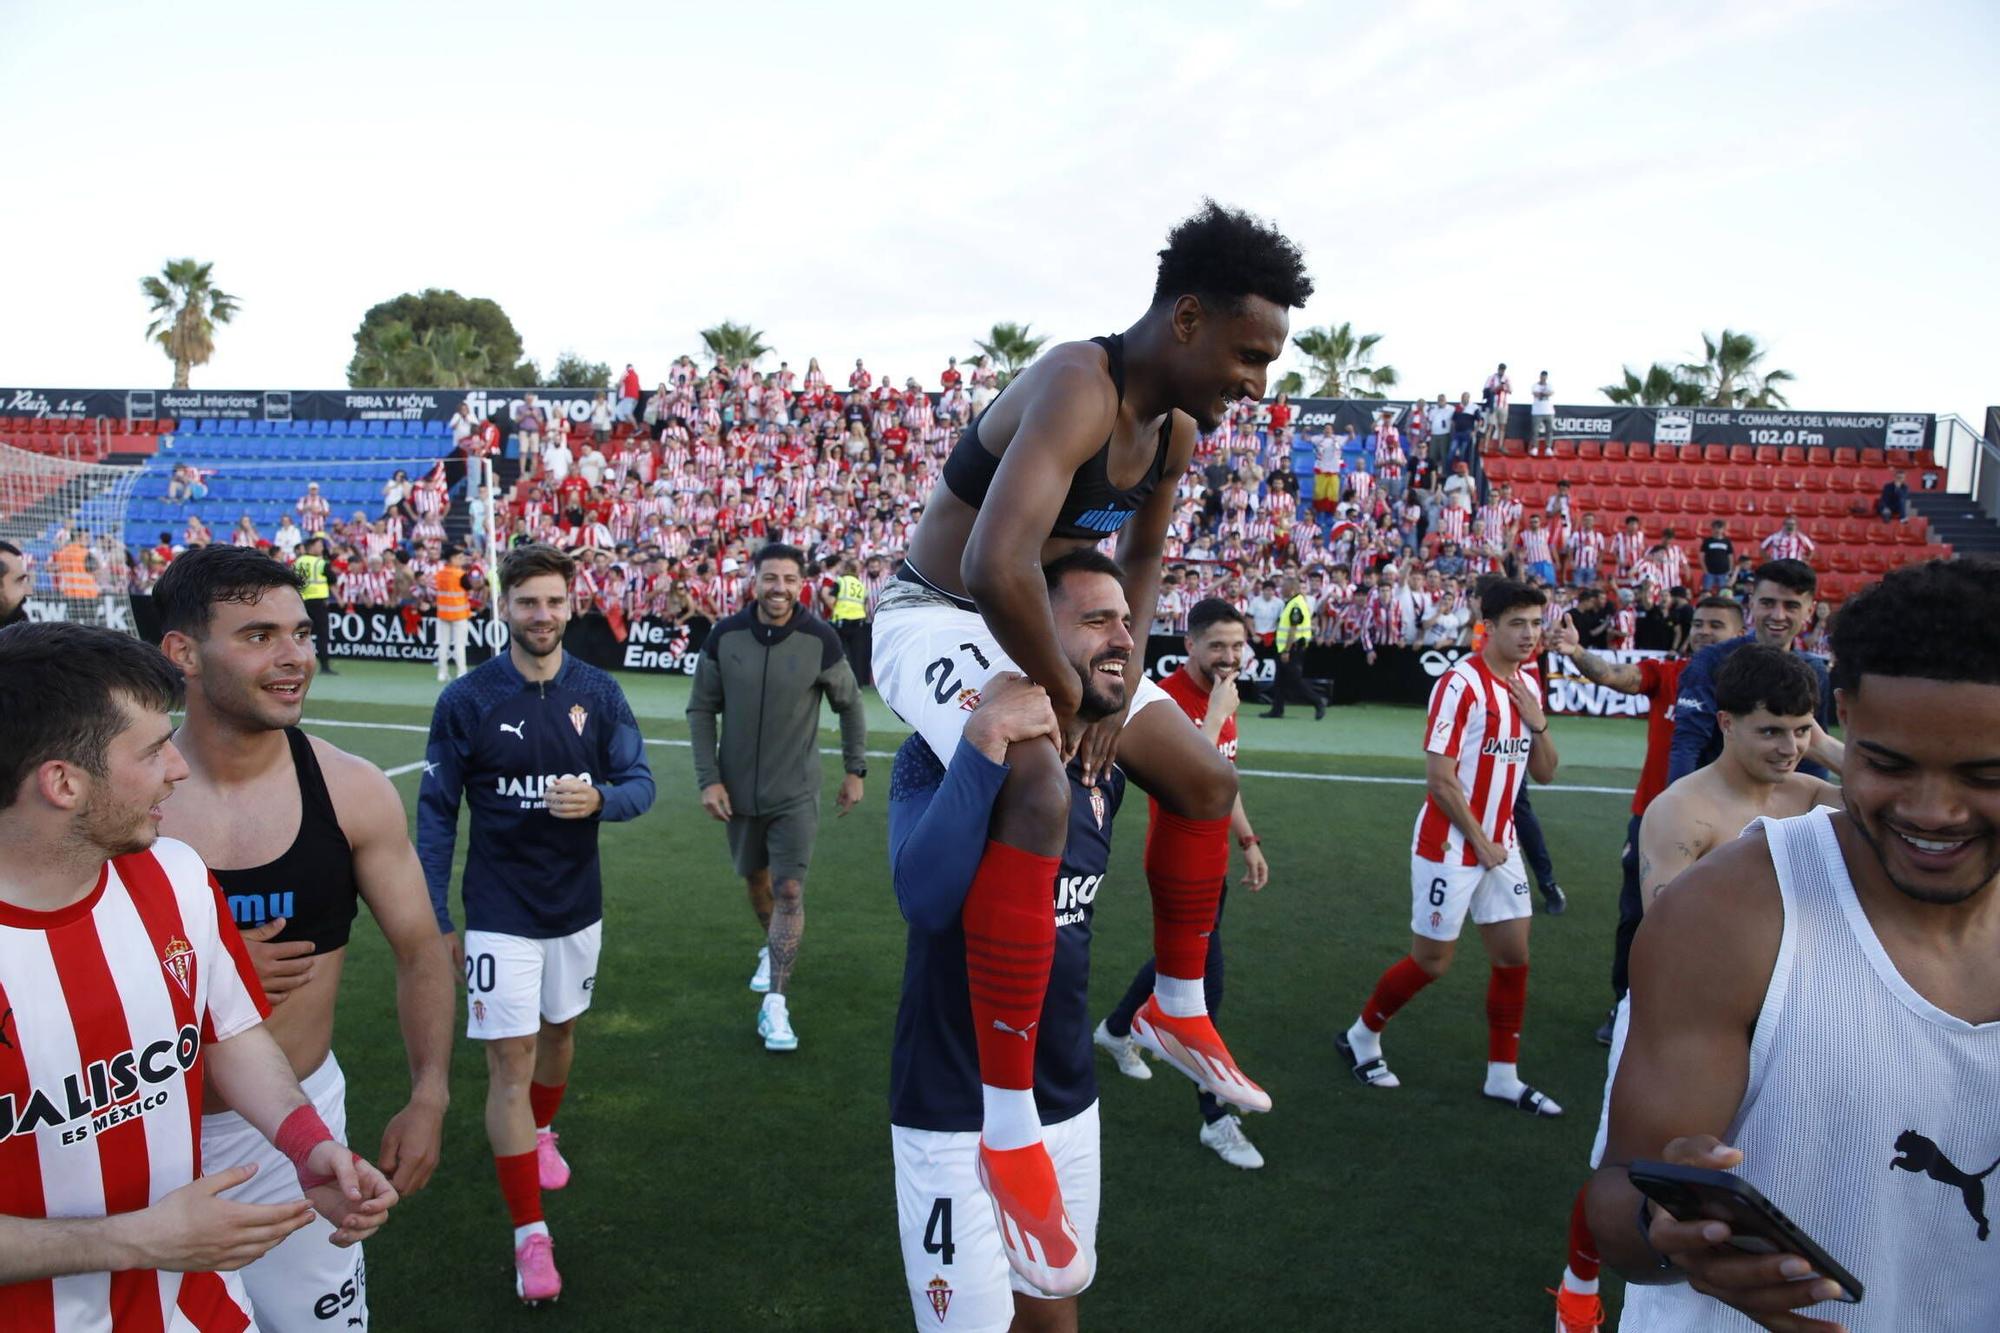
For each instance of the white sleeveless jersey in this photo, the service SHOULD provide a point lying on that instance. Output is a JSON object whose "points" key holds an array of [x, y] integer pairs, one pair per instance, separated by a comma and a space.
{"points": [[1872, 1117]]}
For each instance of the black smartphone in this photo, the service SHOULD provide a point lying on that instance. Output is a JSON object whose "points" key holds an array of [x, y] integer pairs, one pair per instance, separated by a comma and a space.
{"points": [[1756, 1225]]}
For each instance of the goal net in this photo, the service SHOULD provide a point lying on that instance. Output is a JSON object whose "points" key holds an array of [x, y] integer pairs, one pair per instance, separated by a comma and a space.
{"points": [[67, 518]]}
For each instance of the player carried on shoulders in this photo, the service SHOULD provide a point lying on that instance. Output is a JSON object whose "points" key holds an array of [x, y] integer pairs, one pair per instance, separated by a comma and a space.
{"points": [[1088, 443]]}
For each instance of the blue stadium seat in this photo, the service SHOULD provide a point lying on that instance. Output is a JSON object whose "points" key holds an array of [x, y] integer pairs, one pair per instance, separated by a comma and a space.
{"points": [[437, 428], [316, 428], [338, 428], [296, 428]]}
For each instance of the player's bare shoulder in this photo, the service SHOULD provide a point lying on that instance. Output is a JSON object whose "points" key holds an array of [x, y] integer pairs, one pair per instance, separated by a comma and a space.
{"points": [[1723, 915], [1073, 378], [365, 801], [1803, 792]]}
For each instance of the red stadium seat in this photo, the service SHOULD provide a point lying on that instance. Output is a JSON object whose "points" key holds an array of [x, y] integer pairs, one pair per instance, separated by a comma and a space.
{"points": [[1834, 506], [1908, 534], [1625, 474], [1498, 467], [1846, 458], [1615, 450], [1765, 453], [1547, 471], [1733, 478], [1639, 451], [1792, 455], [1666, 500], [1589, 450], [1666, 453], [1841, 560], [1873, 457], [1565, 449], [1714, 453], [1653, 477], [1818, 480], [1819, 455], [1742, 453]]}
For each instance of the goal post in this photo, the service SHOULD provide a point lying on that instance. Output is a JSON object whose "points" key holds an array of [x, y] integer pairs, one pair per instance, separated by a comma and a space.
{"points": [[67, 518]]}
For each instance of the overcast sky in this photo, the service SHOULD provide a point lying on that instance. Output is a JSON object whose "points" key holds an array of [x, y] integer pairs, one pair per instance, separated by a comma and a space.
{"points": [[1562, 186]]}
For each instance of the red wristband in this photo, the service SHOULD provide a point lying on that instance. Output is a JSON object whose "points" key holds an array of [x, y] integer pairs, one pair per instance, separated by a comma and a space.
{"points": [[298, 1134]]}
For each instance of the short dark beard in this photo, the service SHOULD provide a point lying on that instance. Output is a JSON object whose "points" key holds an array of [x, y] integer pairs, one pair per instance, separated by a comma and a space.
{"points": [[1914, 894], [1096, 705]]}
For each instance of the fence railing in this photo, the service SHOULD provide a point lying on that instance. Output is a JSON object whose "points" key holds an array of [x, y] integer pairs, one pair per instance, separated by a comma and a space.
{"points": [[1971, 462]]}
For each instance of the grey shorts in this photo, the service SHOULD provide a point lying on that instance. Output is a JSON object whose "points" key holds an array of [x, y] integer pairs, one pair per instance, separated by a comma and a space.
{"points": [[781, 840], [1542, 428]]}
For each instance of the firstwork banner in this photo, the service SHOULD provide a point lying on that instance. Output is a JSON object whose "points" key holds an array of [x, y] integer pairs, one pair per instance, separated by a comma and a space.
{"points": [[1652, 425]]}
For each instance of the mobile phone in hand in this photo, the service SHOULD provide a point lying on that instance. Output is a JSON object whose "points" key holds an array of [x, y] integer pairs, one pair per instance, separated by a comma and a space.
{"points": [[1756, 1225]]}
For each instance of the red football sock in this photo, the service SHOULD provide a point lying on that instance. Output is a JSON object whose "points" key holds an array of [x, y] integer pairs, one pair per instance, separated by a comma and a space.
{"points": [[1010, 941], [1396, 988], [521, 1187], [543, 1100], [1583, 1260], [1506, 1002], [1186, 862]]}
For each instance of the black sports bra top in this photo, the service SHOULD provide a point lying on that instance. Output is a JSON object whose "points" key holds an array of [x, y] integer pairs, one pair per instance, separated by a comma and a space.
{"points": [[312, 884], [1093, 508]]}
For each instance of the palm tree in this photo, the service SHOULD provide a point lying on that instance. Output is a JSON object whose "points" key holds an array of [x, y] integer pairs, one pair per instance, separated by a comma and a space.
{"points": [[1291, 382], [1662, 386], [1339, 363], [735, 343], [187, 305], [1010, 347], [389, 356], [1729, 373], [457, 358]]}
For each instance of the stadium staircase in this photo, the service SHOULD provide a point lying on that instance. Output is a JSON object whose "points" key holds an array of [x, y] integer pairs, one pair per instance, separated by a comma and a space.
{"points": [[1958, 521]]}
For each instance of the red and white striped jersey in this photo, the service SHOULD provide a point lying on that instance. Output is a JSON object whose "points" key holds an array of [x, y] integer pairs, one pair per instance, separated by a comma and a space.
{"points": [[312, 513], [1473, 719], [1586, 548], [1674, 562], [105, 1006], [1452, 524], [1782, 545], [1535, 546], [1628, 548]]}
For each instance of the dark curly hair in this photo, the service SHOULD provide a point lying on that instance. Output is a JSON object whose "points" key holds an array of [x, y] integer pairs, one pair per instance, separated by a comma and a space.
{"points": [[1936, 621], [1758, 677], [1223, 255]]}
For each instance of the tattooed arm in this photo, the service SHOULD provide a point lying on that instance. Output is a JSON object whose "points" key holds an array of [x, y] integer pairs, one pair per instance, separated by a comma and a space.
{"points": [[1624, 677], [1675, 833]]}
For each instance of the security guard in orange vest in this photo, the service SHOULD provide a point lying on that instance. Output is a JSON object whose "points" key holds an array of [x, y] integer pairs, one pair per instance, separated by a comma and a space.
{"points": [[454, 610]]}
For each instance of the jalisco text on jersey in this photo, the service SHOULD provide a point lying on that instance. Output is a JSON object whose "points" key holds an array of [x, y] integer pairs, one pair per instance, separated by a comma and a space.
{"points": [[101, 1086]]}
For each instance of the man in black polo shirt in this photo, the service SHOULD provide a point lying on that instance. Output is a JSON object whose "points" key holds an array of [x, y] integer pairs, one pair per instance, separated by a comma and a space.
{"points": [[1718, 557]]}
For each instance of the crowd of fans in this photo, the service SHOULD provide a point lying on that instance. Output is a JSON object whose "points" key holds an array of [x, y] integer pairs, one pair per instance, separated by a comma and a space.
{"points": [[663, 496]]}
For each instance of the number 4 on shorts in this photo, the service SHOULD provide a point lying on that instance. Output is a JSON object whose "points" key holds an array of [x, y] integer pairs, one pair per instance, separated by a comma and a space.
{"points": [[937, 1231]]}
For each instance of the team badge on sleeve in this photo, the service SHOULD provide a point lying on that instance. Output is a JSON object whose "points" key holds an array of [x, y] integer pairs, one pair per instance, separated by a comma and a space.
{"points": [[939, 1291], [1097, 805], [178, 960], [577, 717]]}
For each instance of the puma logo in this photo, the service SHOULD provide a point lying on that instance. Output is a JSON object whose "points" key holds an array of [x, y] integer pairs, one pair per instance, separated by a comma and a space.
{"points": [[1922, 1157], [516, 728], [1022, 1033]]}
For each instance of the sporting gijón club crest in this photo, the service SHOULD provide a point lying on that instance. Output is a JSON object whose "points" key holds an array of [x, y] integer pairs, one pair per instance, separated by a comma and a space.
{"points": [[939, 1291], [178, 960]]}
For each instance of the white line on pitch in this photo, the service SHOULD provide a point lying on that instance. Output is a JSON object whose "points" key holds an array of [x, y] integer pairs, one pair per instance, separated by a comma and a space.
{"points": [[399, 769], [890, 754]]}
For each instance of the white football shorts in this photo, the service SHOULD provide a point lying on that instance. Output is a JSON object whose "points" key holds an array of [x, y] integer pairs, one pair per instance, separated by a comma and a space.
{"points": [[513, 983], [1441, 895], [306, 1283], [932, 657], [958, 1276]]}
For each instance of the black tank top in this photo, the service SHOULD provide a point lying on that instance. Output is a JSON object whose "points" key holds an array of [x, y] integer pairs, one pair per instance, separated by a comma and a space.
{"points": [[1094, 508], [312, 884]]}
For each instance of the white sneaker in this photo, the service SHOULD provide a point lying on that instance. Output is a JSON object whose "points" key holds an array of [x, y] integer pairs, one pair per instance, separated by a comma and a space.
{"points": [[774, 1025], [1227, 1138], [760, 980], [1124, 1051]]}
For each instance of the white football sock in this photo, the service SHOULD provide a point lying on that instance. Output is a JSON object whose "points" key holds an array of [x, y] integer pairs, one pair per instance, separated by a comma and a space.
{"points": [[1011, 1120], [1179, 997], [521, 1234], [1503, 1080], [1367, 1042], [1584, 1285]]}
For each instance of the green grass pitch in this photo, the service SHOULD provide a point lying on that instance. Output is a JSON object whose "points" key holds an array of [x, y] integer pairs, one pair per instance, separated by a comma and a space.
{"points": [[720, 1187]]}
